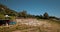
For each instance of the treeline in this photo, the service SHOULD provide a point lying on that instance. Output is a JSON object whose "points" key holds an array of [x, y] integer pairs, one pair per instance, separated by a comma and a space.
{"points": [[24, 14]]}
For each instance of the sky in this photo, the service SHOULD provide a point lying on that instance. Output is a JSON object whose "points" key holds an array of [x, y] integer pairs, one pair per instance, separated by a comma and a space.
{"points": [[34, 7]]}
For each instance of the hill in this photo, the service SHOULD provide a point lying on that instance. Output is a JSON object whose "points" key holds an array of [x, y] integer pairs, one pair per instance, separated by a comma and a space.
{"points": [[4, 10]]}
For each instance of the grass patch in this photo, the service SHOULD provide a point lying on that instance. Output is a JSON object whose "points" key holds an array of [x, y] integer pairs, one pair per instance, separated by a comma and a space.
{"points": [[23, 28]]}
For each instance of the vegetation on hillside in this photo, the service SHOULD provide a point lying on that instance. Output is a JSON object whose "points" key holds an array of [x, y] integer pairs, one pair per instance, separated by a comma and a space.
{"points": [[4, 10]]}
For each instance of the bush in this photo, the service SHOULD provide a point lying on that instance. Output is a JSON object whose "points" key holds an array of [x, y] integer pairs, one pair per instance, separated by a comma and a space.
{"points": [[12, 17], [2, 16]]}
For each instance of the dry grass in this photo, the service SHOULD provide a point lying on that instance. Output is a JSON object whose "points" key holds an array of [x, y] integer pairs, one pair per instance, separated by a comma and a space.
{"points": [[48, 27]]}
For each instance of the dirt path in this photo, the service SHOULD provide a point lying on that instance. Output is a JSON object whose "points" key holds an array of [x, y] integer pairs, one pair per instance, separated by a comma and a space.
{"points": [[33, 22]]}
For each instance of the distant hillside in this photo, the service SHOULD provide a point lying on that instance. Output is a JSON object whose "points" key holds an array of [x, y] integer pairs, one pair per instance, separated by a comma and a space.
{"points": [[5, 10]]}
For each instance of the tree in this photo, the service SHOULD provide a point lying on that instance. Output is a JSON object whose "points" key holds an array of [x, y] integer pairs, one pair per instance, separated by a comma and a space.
{"points": [[46, 16], [41, 17], [23, 14]]}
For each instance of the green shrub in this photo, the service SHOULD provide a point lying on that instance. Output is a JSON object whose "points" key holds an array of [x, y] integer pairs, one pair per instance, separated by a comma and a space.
{"points": [[2, 16], [12, 17]]}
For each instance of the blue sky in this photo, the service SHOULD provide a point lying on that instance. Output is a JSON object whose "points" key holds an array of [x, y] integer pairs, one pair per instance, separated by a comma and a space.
{"points": [[36, 7]]}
